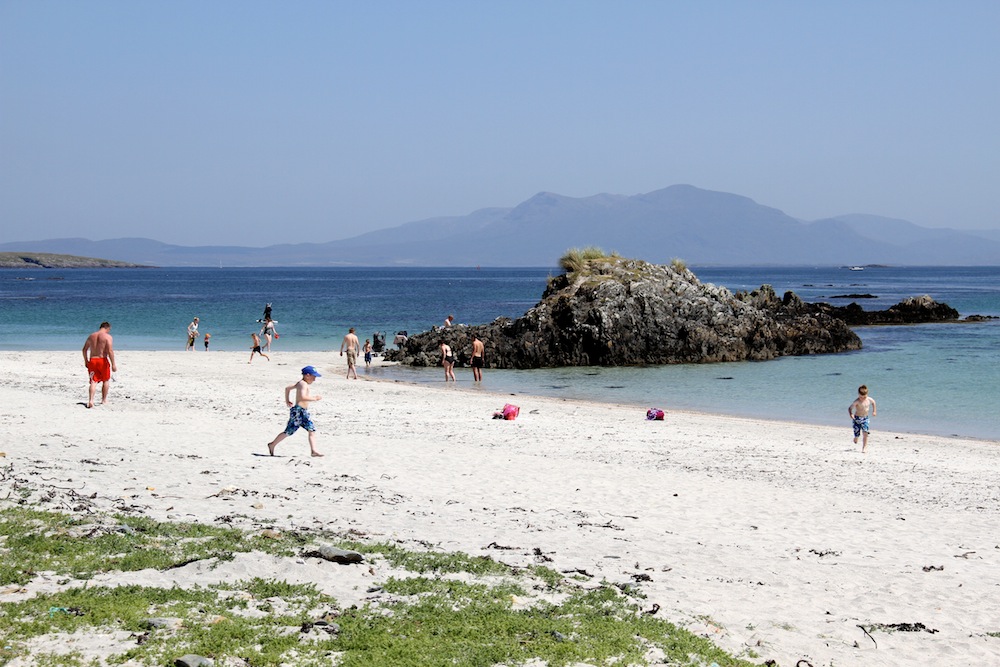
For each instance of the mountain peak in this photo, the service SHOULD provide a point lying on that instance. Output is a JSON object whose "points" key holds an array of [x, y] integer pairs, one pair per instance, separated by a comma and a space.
{"points": [[681, 221]]}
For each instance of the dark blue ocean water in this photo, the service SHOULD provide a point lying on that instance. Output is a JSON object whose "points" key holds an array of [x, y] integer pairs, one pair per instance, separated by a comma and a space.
{"points": [[941, 379]]}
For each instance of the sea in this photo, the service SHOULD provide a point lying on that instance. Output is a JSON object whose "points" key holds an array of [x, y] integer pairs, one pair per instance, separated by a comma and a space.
{"points": [[940, 379]]}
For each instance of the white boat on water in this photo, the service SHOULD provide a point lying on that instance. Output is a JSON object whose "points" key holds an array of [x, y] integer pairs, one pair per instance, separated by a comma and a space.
{"points": [[857, 268]]}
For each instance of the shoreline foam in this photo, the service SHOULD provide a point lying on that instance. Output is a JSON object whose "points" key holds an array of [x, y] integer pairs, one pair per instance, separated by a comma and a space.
{"points": [[776, 537]]}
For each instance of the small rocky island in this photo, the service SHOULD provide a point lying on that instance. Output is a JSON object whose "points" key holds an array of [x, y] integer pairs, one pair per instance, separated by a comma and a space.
{"points": [[48, 260], [612, 311]]}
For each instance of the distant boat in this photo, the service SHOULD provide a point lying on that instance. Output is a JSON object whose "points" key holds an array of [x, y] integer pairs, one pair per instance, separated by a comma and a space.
{"points": [[857, 268]]}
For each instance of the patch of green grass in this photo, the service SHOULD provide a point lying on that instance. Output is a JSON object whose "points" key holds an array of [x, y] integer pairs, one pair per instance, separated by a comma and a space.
{"points": [[427, 561], [551, 578], [32, 541], [213, 624], [457, 610], [463, 624]]}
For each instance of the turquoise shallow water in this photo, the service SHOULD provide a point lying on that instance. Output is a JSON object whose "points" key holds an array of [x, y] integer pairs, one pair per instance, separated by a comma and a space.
{"points": [[941, 379], [929, 384]]}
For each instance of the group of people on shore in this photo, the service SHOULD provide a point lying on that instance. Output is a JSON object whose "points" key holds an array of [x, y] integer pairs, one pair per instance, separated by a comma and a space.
{"points": [[192, 336], [99, 360], [268, 333], [477, 360]]}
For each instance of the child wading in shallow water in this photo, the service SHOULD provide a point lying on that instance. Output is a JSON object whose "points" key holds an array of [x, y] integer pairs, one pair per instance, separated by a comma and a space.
{"points": [[299, 411], [860, 411]]}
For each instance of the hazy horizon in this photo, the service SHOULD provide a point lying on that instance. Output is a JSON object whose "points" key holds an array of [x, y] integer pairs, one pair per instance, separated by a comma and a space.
{"points": [[255, 123]]}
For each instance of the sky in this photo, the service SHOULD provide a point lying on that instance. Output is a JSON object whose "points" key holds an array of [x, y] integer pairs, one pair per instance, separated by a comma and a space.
{"points": [[240, 122]]}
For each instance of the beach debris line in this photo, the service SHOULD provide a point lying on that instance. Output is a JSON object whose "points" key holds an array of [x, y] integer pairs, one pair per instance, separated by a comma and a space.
{"points": [[899, 627]]}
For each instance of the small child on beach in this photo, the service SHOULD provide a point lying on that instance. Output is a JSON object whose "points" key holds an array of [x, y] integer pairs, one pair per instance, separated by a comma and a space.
{"points": [[256, 348], [299, 411], [368, 353], [208, 337], [861, 410]]}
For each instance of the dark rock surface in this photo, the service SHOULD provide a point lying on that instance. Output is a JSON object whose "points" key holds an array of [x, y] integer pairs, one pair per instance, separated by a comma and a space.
{"points": [[624, 312], [914, 310], [42, 260]]}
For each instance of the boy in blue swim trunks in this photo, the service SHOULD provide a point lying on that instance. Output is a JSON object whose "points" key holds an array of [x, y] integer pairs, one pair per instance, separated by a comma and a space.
{"points": [[299, 410], [860, 411]]}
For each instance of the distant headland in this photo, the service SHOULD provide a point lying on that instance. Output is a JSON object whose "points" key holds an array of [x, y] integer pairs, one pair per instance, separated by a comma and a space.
{"points": [[45, 260]]}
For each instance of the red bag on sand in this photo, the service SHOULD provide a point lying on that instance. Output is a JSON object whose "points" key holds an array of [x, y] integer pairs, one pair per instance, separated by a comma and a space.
{"points": [[654, 414], [510, 412]]}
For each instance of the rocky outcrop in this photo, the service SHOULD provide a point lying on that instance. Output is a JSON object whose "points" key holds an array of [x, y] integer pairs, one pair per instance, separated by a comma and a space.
{"points": [[914, 310], [624, 312], [44, 260]]}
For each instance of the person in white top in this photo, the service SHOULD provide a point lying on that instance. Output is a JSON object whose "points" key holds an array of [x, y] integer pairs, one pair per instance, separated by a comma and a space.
{"points": [[192, 334]]}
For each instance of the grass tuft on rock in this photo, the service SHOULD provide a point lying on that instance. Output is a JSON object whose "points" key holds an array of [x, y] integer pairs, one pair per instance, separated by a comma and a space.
{"points": [[575, 260]]}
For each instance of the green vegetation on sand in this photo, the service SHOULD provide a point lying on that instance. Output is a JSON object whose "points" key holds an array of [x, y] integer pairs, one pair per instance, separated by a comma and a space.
{"points": [[434, 608]]}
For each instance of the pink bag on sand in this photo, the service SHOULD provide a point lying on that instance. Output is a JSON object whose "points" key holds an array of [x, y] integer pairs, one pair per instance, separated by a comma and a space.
{"points": [[509, 412], [654, 414]]}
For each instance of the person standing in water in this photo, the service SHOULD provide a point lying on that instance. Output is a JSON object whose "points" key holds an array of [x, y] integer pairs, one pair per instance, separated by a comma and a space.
{"points": [[478, 358], [448, 361], [268, 331]]}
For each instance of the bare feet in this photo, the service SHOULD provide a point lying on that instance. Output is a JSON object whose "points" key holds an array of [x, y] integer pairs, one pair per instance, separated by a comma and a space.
{"points": [[315, 453], [270, 448]]}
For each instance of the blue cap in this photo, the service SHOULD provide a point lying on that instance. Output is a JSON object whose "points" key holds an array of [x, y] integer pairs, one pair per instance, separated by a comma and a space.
{"points": [[309, 370]]}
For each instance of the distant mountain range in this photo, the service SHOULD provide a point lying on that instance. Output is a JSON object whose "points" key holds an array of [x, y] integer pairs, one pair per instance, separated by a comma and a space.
{"points": [[698, 226]]}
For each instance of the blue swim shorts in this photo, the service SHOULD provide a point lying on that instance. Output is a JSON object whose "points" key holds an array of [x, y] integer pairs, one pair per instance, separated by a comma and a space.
{"points": [[299, 417], [860, 424]]}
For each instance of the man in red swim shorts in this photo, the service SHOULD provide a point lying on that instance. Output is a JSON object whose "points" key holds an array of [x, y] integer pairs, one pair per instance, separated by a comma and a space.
{"points": [[99, 358]]}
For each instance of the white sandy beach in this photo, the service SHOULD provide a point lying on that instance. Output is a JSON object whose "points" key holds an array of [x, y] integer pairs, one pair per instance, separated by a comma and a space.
{"points": [[775, 536]]}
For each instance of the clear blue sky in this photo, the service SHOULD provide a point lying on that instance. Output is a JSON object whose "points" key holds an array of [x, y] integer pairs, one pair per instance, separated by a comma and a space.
{"points": [[254, 123]]}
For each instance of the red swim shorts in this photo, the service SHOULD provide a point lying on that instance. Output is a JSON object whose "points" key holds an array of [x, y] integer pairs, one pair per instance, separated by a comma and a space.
{"points": [[100, 369]]}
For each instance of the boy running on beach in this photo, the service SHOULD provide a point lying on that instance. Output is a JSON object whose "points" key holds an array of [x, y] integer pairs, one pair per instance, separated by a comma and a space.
{"points": [[255, 349], [859, 411], [299, 411]]}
